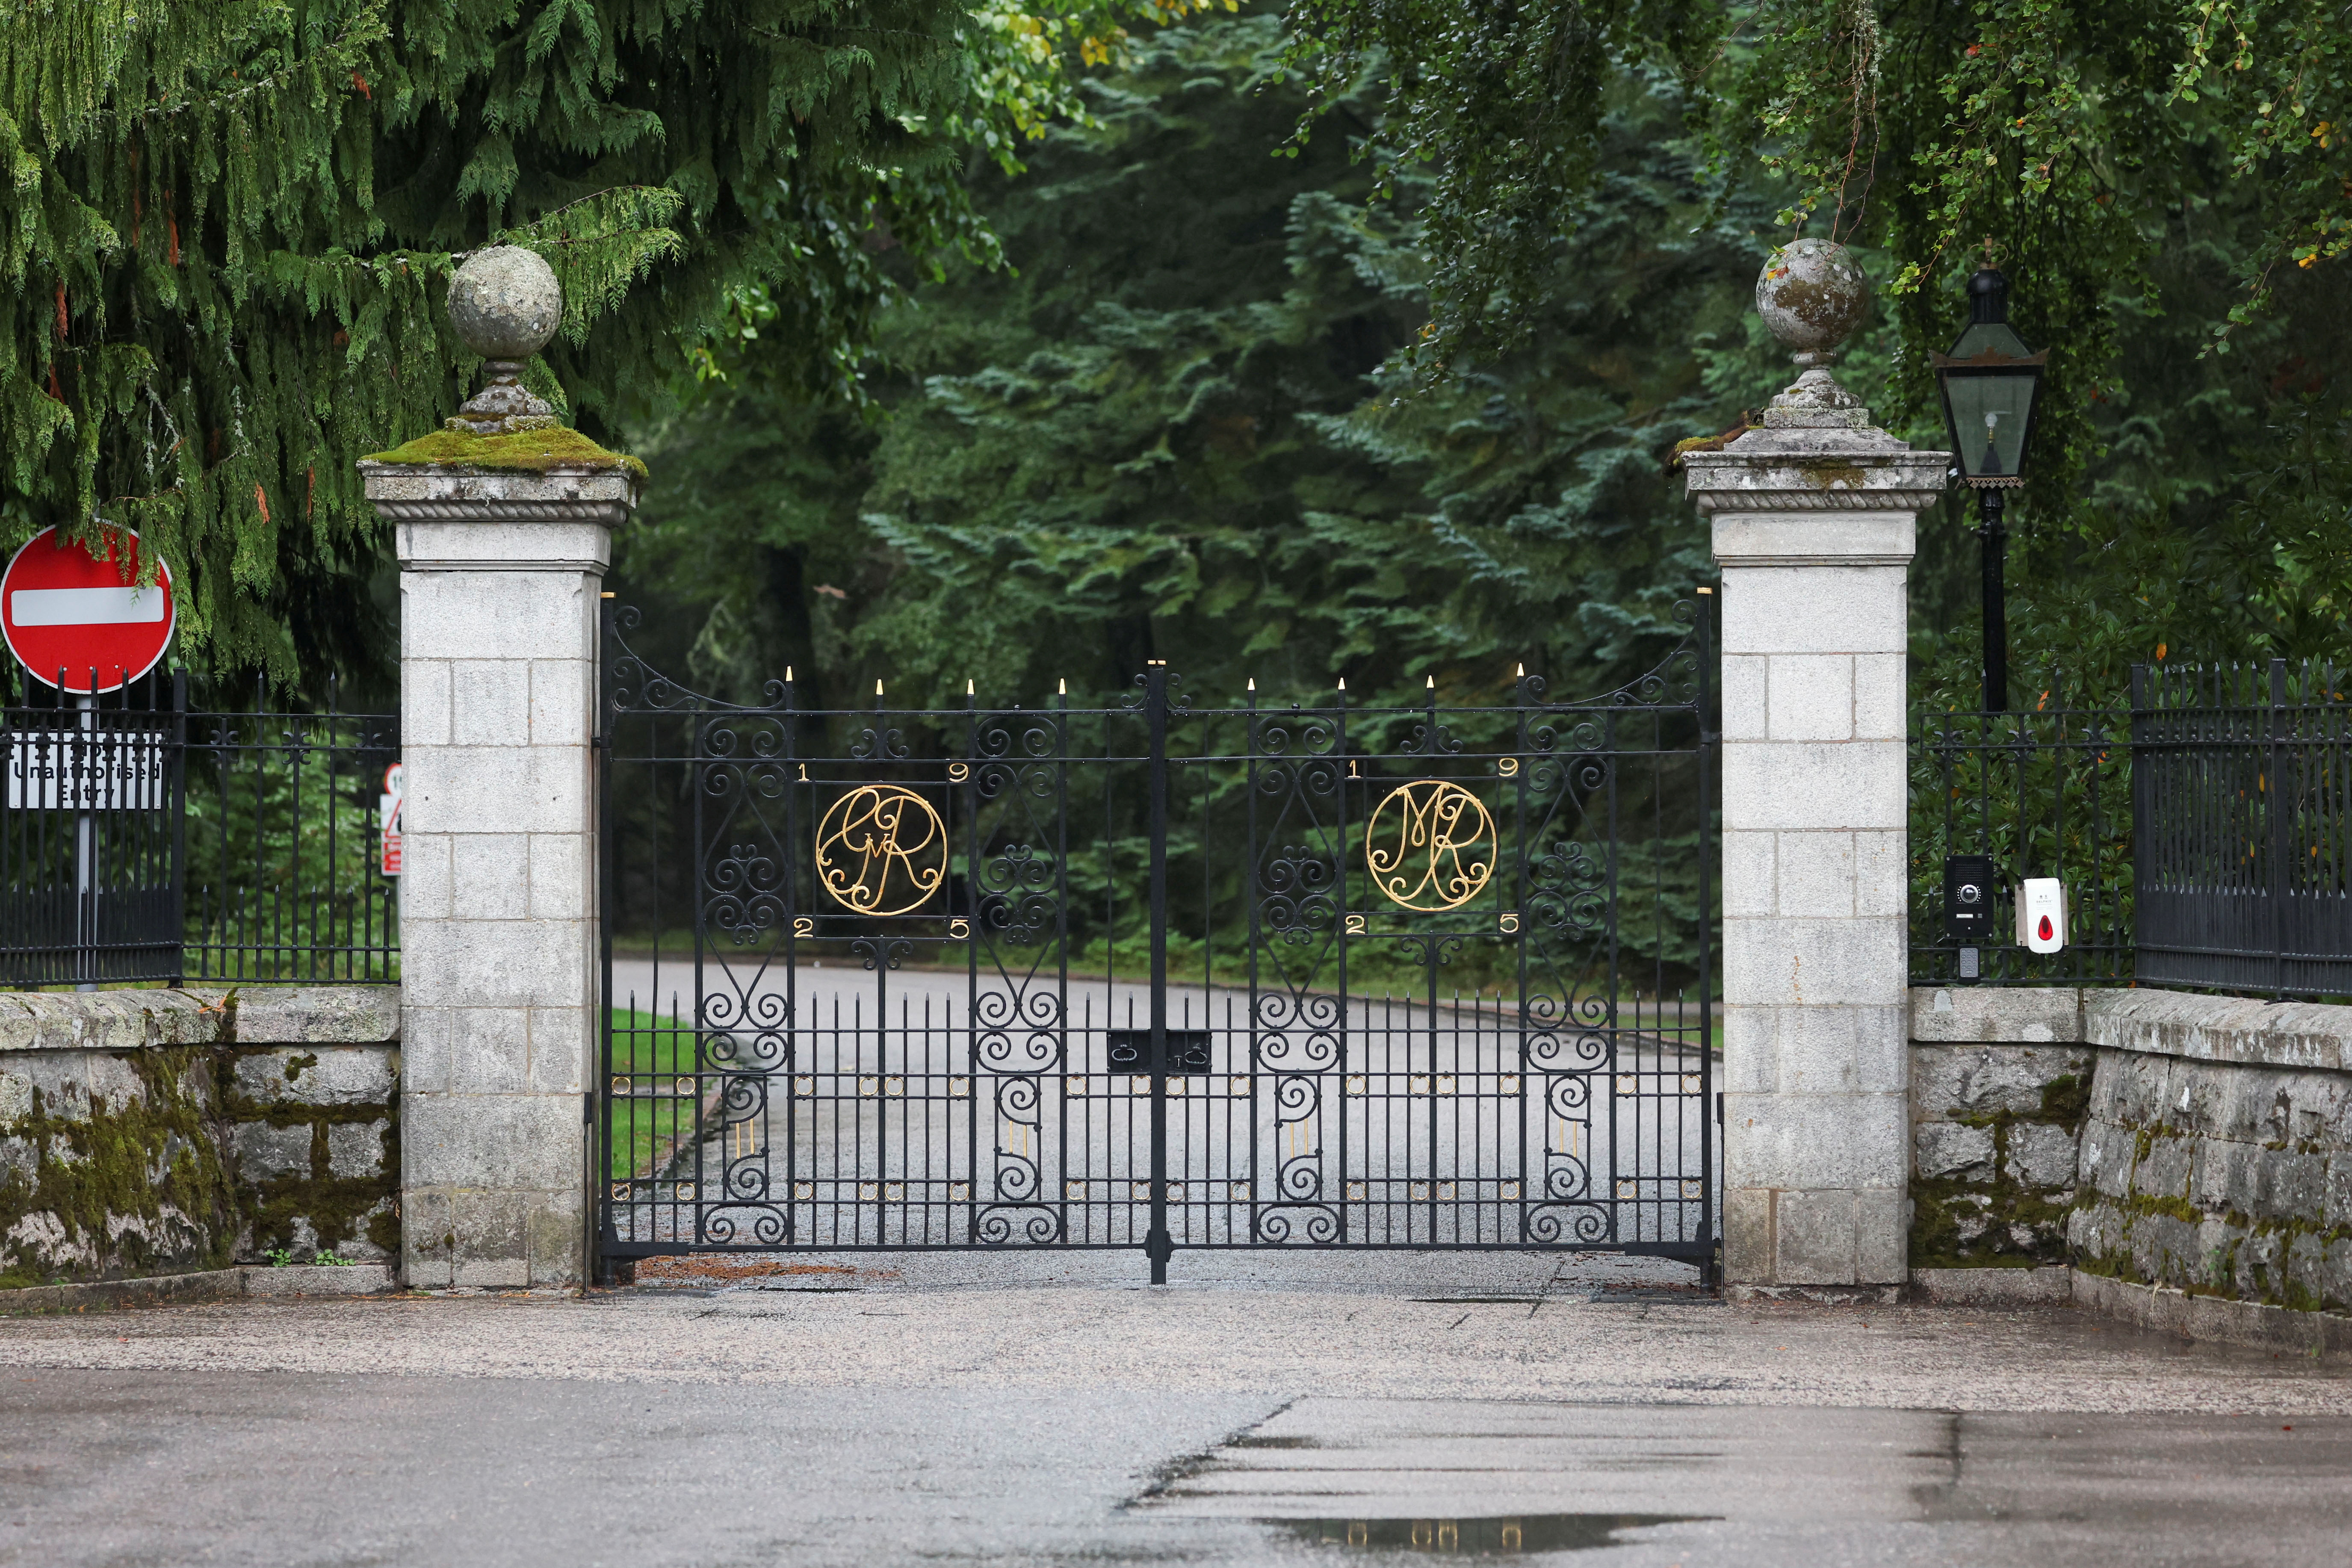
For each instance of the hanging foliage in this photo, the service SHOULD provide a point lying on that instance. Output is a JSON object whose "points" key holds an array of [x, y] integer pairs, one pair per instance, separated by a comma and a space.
{"points": [[227, 225], [2065, 129]]}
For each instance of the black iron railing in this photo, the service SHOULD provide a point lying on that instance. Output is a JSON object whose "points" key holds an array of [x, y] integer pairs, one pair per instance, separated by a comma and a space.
{"points": [[145, 838], [2203, 834], [2043, 792], [2242, 794]]}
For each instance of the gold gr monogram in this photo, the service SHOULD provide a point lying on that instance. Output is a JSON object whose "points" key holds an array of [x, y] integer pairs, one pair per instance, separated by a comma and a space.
{"points": [[881, 849], [1429, 845]]}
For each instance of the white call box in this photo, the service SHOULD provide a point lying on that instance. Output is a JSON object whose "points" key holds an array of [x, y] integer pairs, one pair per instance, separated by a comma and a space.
{"points": [[2041, 914]]}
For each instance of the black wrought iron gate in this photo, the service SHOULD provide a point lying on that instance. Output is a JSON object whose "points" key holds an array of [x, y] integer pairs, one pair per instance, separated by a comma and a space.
{"points": [[1158, 973]]}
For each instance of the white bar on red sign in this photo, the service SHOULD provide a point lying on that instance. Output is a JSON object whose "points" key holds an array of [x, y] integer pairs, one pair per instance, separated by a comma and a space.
{"points": [[88, 606], [54, 772]]}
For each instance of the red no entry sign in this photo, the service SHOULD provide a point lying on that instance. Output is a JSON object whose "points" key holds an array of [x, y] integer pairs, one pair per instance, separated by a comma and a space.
{"points": [[81, 622]]}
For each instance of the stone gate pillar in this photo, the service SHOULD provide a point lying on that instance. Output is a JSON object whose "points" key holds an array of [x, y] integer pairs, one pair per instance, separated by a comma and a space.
{"points": [[1814, 518], [504, 527]]}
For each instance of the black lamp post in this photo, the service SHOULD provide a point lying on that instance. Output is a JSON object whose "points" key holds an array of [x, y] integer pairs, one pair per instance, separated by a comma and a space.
{"points": [[1989, 380]]}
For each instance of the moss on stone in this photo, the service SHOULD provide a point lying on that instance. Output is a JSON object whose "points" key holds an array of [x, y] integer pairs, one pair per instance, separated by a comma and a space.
{"points": [[336, 1208], [2219, 1273], [2066, 1101], [161, 1158], [155, 1158], [2140, 1205], [1829, 473], [1942, 1207], [530, 451], [2003, 1203]]}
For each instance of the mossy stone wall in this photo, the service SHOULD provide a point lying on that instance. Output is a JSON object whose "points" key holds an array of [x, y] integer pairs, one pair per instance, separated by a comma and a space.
{"points": [[2200, 1143], [2219, 1178], [153, 1132], [1993, 1153]]}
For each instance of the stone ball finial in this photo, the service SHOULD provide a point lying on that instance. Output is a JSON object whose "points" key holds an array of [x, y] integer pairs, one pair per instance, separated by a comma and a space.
{"points": [[1813, 294], [505, 302]]}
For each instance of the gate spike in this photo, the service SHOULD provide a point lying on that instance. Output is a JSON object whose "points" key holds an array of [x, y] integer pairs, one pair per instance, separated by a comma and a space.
{"points": [[1343, 683], [878, 685], [1521, 673], [1062, 687], [1432, 683], [1253, 685], [788, 675], [967, 686]]}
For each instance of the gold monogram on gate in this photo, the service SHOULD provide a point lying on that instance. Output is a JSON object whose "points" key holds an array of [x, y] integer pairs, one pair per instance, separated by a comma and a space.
{"points": [[1429, 845], [881, 849]]}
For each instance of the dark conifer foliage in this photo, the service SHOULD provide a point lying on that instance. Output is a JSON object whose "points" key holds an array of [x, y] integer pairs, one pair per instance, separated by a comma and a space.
{"points": [[1176, 429], [229, 222]]}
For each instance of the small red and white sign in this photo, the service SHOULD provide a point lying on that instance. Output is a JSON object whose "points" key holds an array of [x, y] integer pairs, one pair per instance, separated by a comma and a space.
{"points": [[2041, 914], [84, 623], [387, 810]]}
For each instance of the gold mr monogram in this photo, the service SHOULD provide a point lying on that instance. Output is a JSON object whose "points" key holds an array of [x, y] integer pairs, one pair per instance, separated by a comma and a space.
{"points": [[1429, 845], [881, 849]]}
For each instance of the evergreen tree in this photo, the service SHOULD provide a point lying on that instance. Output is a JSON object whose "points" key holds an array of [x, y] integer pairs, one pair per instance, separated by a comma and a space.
{"points": [[229, 223], [1168, 431], [2163, 181]]}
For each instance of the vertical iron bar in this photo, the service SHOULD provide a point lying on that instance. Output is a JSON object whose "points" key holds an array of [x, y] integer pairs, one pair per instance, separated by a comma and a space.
{"points": [[1158, 1245], [1061, 964], [1523, 752], [2145, 844], [1340, 766], [970, 798], [1249, 939], [881, 951], [1609, 740], [2279, 878], [1434, 945], [798, 1034], [697, 751]]}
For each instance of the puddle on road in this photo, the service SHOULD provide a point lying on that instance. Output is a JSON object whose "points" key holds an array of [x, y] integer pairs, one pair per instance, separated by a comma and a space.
{"points": [[1503, 1536]]}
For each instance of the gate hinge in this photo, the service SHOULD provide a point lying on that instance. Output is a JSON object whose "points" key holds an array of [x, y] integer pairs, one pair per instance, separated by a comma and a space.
{"points": [[588, 1108], [1718, 1108]]}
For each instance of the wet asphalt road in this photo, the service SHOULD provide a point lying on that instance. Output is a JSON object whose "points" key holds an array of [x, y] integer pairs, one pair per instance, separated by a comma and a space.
{"points": [[955, 1411]]}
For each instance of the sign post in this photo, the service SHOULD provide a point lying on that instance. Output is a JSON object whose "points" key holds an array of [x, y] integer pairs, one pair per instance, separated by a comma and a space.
{"points": [[83, 624]]}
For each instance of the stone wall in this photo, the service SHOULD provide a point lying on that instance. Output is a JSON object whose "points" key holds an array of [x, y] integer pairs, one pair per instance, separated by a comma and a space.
{"points": [[2000, 1080], [153, 1131], [2218, 1155], [2208, 1150]]}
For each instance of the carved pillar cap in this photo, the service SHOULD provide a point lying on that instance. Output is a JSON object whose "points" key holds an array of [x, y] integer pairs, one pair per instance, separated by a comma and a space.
{"points": [[1816, 468]]}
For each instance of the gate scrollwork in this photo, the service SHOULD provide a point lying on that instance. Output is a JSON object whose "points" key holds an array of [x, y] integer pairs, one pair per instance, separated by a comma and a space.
{"points": [[1158, 974]]}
